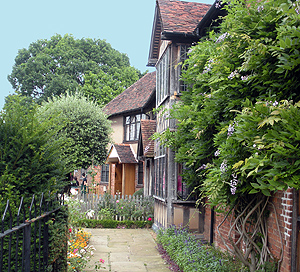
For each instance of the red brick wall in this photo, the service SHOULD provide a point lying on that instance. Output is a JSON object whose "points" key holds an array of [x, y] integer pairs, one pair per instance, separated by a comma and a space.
{"points": [[281, 208]]}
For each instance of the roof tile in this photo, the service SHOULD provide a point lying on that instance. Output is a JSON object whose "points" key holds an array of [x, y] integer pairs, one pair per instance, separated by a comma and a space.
{"points": [[133, 98], [148, 128], [181, 16]]}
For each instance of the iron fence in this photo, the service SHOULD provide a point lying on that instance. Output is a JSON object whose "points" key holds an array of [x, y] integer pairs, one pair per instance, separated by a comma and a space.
{"points": [[24, 234]]}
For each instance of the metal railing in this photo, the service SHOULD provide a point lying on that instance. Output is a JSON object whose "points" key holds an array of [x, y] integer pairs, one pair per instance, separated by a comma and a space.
{"points": [[24, 236]]}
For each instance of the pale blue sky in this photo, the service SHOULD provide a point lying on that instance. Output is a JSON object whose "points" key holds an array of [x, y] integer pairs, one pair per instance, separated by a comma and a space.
{"points": [[126, 25]]}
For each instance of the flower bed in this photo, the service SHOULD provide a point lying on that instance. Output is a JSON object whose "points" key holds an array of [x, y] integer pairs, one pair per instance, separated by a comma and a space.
{"points": [[185, 253], [80, 251]]}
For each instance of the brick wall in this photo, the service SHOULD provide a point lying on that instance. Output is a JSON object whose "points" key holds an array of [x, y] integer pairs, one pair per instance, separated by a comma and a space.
{"points": [[279, 231]]}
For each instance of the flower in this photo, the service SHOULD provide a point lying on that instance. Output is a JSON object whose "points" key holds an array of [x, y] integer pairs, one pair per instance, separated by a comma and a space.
{"points": [[230, 130], [101, 261], [233, 184], [223, 166], [149, 219], [260, 8], [70, 230], [117, 201], [222, 37], [202, 167], [90, 213], [217, 153], [233, 74]]}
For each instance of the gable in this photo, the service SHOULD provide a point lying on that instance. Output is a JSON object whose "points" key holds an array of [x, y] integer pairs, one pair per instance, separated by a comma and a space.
{"points": [[174, 20]]}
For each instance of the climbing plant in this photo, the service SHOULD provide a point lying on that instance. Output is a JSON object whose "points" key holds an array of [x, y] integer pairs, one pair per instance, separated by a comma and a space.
{"points": [[237, 125]]}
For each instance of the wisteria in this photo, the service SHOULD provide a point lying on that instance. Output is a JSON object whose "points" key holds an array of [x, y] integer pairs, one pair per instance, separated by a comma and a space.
{"points": [[202, 167], [217, 153], [218, 4], [233, 74], [223, 167], [260, 8], [230, 129], [233, 184], [222, 37], [244, 78]]}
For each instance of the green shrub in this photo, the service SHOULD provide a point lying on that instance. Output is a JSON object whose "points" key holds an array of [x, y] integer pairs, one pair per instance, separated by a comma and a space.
{"points": [[112, 224], [191, 255]]}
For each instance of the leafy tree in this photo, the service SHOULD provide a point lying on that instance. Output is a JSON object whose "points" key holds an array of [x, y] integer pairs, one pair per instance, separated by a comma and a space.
{"points": [[85, 126], [103, 87], [51, 67], [30, 157]]}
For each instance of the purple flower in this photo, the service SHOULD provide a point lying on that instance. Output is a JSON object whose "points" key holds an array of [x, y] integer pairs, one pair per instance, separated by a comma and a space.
{"points": [[223, 166], [233, 184], [230, 130], [217, 153], [222, 37], [233, 74], [260, 8]]}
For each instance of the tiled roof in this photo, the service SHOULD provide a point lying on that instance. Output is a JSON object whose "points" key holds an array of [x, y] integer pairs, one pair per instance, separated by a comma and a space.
{"points": [[133, 98], [125, 153], [181, 16], [148, 128]]}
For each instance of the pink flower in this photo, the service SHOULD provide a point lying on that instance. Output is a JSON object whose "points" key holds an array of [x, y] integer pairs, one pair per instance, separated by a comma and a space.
{"points": [[101, 261], [75, 250], [149, 219], [117, 201], [121, 207], [70, 230]]}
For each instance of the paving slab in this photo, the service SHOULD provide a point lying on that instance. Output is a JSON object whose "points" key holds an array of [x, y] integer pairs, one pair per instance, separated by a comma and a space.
{"points": [[126, 250]]}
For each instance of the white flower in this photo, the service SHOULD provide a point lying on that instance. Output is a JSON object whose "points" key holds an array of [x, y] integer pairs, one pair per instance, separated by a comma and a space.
{"points": [[90, 213], [73, 191]]}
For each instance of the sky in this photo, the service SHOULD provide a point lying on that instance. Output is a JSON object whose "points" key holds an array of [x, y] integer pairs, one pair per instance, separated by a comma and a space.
{"points": [[126, 25]]}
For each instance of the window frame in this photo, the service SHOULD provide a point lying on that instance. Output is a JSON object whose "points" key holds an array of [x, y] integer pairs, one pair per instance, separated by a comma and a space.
{"points": [[132, 125], [163, 77], [104, 173]]}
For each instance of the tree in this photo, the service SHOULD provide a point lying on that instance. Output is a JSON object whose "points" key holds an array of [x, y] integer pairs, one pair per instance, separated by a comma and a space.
{"points": [[83, 124], [51, 67], [30, 157]]}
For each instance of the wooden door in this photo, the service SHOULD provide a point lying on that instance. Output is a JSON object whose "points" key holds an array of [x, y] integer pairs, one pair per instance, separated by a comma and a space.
{"points": [[118, 178], [129, 180]]}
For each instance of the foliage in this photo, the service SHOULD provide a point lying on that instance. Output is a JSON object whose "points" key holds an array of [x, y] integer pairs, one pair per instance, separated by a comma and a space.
{"points": [[103, 87], [30, 156], [112, 224], [261, 154], [236, 141], [191, 255], [254, 56], [85, 126], [58, 241], [51, 67], [127, 208]]}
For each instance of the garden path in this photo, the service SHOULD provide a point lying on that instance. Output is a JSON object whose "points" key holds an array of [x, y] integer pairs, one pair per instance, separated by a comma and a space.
{"points": [[126, 250]]}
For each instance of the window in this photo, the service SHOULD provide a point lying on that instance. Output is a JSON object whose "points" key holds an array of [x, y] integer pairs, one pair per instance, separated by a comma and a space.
{"points": [[140, 173], [183, 56], [105, 173], [160, 171], [162, 77], [183, 191], [132, 126]]}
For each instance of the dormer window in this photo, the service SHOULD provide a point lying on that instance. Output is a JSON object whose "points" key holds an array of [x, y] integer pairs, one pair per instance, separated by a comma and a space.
{"points": [[132, 126]]}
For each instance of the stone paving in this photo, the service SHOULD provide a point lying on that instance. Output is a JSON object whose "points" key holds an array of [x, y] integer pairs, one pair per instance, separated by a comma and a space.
{"points": [[126, 250]]}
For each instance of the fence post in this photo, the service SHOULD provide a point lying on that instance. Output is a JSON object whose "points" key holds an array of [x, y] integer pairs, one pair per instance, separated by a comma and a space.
{"points": [[27, 234]]}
